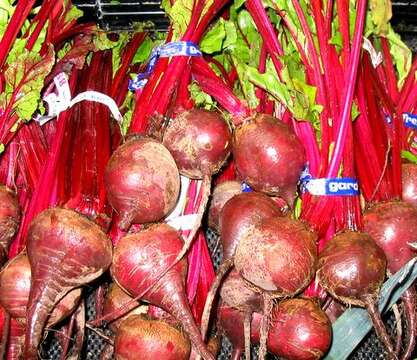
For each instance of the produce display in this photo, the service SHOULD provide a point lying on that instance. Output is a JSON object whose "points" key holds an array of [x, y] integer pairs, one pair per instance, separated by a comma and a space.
{"points": [[288, 127]]}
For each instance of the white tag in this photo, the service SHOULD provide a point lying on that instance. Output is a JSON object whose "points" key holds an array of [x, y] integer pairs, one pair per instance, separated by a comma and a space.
{"points": [[183, 222], [61, 101], [376, 56], [176, 219], [316, 186]]}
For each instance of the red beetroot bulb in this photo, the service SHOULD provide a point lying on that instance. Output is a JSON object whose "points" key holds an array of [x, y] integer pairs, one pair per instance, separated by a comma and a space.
{"points": [[138, 261], [139, 338], [392, 225], [142, 181], [268, 156], [409, 183], [299, 330], [9, 218], [278, 256], [200, 142], [352, 269], [240, 213], [66, 251], [221, 195]]}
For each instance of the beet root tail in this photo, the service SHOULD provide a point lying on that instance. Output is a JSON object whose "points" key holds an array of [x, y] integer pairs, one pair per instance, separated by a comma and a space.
{"points": [[409, 299], [379, 327], [39, 307], [205, 318]]}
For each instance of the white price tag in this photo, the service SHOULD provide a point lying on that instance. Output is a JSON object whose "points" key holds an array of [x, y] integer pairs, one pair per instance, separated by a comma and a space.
{"points": [[61, 100]]}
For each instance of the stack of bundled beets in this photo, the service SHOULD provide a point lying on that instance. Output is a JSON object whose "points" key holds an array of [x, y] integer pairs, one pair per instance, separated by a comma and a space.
{"points": [[119, 204]]}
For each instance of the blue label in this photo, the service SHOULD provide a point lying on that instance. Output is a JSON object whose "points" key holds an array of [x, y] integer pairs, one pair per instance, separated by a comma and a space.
{"points": [[342, 187], [410, 120], [245, 187], [176, 48]]}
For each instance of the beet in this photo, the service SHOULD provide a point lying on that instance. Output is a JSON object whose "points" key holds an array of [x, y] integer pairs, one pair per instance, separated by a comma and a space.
{"points": [[241, 213], [140, 338], [278, 256], [392, 225], [200, 142], [230, 324], [236, 294], [116, 298], [352, 269], [299, 330], [66, 251], [409, 183], [268, 156], [9, 219], [15, 282], [221, 194], [138, 261], [142, 181]]}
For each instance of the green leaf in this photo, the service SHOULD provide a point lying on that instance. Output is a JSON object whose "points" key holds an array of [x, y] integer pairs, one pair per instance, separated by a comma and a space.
{"points": [[102, 41], [2, 148], [144, 51], [401, 54], [200, 98], [381, 13], [25, 80], [409, 156], [213, 39], [355, 322], [73, 14]]}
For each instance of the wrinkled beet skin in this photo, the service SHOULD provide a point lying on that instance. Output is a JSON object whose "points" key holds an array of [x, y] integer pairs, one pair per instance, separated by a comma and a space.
{"points": [[138, 261], [65, 250], [139, 338], [236, 294], [409, 183], [15, 280], [278, 256], [268, 156], [299, 330], [142, 181], [393, 225], [9, 216], [352, 267], [221, 195], [240, 213], [115, 299], [200, 142]]}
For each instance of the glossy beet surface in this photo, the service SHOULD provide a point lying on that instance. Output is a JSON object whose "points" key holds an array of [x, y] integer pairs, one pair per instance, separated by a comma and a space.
{"points": [[138, 261], [409, 183], [393, 226], [15, 281], [66, 251], [142, 181], [221, 195], [141, 339], [200, 142], [268, 156], [9, 216], [299, 330], [279, 256], [239, 214], [352, 267]]}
